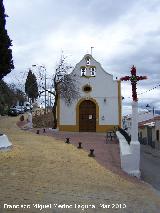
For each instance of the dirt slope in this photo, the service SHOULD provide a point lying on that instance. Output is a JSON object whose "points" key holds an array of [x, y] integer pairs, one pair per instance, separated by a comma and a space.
{"points": [[40, 170]]}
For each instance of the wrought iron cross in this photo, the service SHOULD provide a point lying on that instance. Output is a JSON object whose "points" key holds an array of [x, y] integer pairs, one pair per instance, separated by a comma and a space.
{"points": [[133, 78]]}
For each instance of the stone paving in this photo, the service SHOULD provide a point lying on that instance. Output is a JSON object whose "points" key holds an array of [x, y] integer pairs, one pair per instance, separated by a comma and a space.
{"points": [[150, 166]]}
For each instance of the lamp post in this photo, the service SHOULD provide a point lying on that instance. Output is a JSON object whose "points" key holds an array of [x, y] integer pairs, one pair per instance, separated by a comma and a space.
{"points": [[45, 83], [92, 50], [149, 107]]}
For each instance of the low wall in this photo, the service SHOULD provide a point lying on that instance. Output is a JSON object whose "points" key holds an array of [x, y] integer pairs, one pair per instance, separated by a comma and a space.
{"points": [[129, 155], [43, 120]]}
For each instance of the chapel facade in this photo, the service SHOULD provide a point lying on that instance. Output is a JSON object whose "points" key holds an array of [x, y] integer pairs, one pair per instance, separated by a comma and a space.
{"points": [[98, 109]]}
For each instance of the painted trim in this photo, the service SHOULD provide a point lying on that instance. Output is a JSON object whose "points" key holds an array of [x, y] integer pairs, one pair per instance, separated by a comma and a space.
{"points": [[119, 103], [68, 128], [99, 128], [105, 128], [88, 76]]}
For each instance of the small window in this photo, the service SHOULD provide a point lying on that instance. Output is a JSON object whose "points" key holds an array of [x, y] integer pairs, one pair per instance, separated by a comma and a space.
{"points": [[88, 61], [87, 88], [93, 71], [157, 135], [83, 71]]}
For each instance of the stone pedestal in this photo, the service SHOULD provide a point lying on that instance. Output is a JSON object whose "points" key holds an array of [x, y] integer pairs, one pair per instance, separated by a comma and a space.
{"points": [[135, 150], [30, 125], [134, 128], [135, 145], [5, 144]]}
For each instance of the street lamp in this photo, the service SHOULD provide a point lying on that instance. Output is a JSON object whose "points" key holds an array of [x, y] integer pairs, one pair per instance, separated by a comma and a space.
{"points": [[45, 83], [148, 106]]}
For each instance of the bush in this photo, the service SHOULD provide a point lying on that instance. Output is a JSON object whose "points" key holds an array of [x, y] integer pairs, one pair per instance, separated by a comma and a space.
{"points": [[3, 111], [40, 121]]}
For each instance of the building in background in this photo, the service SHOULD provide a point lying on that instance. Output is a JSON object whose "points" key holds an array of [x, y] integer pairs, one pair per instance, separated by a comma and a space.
{"points": [[142, 116], [148, 128], [149, 132]]}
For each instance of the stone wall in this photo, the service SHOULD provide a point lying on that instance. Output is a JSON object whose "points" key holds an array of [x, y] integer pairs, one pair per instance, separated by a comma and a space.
{"points": [[129, 155], [43, 120]]}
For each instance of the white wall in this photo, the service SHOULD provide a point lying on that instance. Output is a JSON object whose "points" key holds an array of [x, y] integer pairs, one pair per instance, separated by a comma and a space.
{"points": [[129, 155], [67, 114]]}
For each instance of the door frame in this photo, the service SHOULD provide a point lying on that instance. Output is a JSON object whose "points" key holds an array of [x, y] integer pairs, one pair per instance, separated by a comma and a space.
{"points": [[77, 111]]}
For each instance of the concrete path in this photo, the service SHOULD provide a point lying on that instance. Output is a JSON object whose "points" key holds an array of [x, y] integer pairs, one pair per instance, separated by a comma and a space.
{"points": [[150, 166]]}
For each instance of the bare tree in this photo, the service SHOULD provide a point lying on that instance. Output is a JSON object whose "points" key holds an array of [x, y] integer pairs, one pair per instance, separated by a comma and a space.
{"points": [[65, 86]]}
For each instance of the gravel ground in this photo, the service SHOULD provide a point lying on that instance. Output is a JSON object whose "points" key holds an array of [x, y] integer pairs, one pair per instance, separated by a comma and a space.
{"points": [[41, 170], [106, 152]]}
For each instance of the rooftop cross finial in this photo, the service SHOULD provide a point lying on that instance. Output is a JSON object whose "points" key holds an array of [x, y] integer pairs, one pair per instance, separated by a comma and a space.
{"points": [[91, 50]]}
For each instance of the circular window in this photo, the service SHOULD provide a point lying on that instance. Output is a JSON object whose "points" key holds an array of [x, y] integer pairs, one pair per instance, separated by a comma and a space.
{"points": [[87, 88]]}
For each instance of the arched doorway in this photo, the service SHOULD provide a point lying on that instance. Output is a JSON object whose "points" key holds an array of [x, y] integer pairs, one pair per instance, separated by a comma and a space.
{"points": [[87, 116]]}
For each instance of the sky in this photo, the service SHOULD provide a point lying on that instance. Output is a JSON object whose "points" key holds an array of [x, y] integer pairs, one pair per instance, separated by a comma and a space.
{"points": [[123, 33]]}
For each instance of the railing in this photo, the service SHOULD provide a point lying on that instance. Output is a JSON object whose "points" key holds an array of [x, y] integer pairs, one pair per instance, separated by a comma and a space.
{"points": [[125, 134]]}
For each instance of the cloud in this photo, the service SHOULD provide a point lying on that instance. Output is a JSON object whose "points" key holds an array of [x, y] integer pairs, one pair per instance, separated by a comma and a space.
{"points": [[122, 33]]}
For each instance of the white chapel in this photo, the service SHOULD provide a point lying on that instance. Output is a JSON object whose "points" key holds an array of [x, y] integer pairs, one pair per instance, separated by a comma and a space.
{"points": [[98, 109]]}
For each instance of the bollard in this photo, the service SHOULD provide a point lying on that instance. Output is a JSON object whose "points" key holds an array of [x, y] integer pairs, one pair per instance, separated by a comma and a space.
{"points": [[37, 131], [91, 154], [79, 145], [44, 130], [67, 140]]}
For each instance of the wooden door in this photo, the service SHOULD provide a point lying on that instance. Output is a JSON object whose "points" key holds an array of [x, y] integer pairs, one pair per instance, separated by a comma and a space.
{"points": [[87, 116]]}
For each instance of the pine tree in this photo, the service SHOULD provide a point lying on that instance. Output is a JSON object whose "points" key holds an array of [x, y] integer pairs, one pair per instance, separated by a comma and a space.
{"points": [[9, 95], [31, 87], [6, 62]]}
